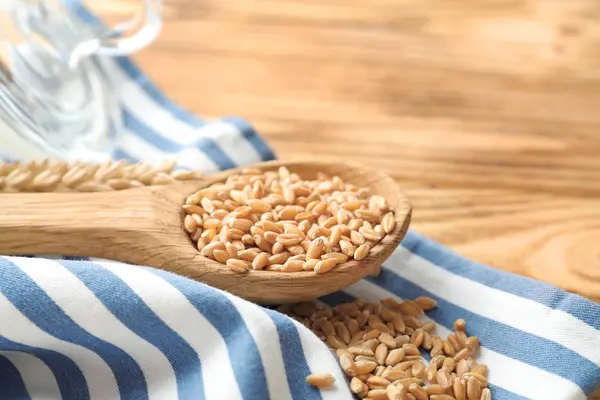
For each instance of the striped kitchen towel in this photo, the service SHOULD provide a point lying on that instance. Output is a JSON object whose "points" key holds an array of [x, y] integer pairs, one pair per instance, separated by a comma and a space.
{"points": [[95, 329]]}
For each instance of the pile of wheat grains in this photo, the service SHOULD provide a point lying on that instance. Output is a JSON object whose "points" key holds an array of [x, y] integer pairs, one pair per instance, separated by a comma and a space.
{"points": [[276, 221], [378, 346]]}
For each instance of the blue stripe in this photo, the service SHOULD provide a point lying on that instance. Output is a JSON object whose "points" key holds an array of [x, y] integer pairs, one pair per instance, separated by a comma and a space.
{"points": [[499, 393], [238, 340], [136, 74], [248, 131], [205, 145], [338, 298], [131, 310], [12, 386], [33, 302], [120, 154], [70, 379], [498, 337], [296, 367], [527, 288], [6, 158]]}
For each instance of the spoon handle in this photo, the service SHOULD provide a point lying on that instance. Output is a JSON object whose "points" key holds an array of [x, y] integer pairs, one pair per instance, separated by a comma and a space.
{"points": [[73, 224]]}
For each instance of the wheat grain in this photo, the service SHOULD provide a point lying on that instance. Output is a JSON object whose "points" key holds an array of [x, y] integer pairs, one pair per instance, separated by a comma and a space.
{"points": [[361, 252], [361, 351], [454, 342], [316, 248], [221, 256], [426, 303], [418, 392], [325, 265], [238, 266], [410, 308], [448, 364], [473, 389], [480, 369], [365, 367], [448, 348], [419, 371], [259, 261], [417, 337], [472, 343], [358, 387], [377, 394], [387, 340], [339, 257], [486, 394], [410, 349], [460, 325], [310, 265], [462, 355], [292, 266], [365, 358], [480, 378], [324, 380], [443, 378], [377, 382], [379, 326], [459, 389]]}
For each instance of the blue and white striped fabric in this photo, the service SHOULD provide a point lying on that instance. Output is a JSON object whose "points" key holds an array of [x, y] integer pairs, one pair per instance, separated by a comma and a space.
{"points": [[95, 329]]}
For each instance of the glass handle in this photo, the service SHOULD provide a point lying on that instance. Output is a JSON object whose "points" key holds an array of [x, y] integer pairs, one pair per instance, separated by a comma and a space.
{"points": [[114, 45]]}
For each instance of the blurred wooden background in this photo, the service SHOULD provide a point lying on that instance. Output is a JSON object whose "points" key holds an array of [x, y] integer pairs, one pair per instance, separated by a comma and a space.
{"points": [[487, 112]]}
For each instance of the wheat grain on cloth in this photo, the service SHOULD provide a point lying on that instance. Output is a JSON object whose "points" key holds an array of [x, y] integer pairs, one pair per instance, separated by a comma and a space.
{"points": [[96, 329]]}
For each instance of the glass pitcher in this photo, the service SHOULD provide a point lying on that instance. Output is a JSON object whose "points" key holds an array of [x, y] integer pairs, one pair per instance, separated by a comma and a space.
{"points": [[54, 98]]}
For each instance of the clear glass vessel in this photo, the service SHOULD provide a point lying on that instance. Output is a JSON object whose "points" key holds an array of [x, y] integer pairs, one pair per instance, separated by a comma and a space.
{"points": [[53, 96]]}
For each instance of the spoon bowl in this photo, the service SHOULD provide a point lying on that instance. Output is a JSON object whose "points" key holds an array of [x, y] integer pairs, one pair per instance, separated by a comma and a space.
{"points": [[145, 227]]}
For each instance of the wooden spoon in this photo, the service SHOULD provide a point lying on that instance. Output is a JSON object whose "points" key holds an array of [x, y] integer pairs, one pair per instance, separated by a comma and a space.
{"points": [[145, 226]]}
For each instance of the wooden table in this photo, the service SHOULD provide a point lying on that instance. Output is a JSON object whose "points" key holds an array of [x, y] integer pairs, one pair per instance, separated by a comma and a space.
{"points": [[487, 112]]}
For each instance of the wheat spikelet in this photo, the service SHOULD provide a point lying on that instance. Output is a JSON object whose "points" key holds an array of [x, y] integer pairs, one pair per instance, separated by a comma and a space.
{"points": [[59, 176]]}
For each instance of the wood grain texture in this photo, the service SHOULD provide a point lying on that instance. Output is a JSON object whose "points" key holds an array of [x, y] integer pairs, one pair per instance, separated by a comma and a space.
{"points": [[144, 226], [486, 112]]}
